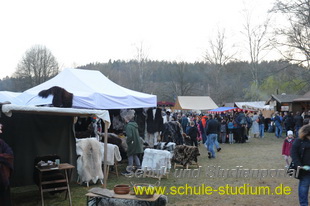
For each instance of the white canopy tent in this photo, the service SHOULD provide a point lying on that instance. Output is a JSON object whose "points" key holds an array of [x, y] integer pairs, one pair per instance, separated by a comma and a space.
{"points": [[194, 103], [91, 89], [7, 96]]}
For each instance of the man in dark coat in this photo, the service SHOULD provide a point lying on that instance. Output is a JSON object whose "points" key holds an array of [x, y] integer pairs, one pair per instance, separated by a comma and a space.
{"points": [[288, 120], [298, 122], [241, 124], [212, 131]]}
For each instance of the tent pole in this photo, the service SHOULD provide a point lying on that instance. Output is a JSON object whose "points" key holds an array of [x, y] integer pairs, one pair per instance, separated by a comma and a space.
{"points": [[105, 154]]}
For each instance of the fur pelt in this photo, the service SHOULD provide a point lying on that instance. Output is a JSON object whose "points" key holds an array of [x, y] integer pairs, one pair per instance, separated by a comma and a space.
{"points": [[172, 132], [89, 161], [120, 142], [62, 98], [184, 154], [159, 121], [150, 127]]}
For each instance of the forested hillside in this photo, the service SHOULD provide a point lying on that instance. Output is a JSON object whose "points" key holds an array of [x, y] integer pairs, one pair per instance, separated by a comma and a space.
{"points": [[229, 83]]}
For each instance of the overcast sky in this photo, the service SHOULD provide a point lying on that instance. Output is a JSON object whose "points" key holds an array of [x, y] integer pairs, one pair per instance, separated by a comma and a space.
{"points": [[81, 32]]}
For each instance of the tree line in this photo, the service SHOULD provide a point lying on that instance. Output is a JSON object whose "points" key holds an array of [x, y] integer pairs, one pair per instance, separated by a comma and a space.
{"points": [[168, 80]]}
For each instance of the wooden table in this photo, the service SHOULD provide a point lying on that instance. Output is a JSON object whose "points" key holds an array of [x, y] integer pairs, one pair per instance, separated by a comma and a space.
{"points": [[63, 167]]}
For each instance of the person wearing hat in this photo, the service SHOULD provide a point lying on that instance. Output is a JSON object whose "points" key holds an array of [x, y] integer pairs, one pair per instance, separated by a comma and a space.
{"points": [[168, 117], [133, 140], [286, 147]]}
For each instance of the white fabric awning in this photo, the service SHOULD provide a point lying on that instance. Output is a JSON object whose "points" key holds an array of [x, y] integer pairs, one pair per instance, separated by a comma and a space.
{"points": [[258, 105]]}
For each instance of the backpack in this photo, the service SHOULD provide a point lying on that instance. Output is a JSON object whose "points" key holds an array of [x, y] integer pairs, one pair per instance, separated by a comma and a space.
{"points": [[230, 125]]}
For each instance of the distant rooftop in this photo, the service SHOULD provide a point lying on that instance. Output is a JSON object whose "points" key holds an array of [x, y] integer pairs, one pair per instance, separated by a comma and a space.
{"points": [[284, 98]]}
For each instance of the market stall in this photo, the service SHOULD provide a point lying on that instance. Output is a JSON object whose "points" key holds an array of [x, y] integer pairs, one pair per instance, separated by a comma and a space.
{"points": [[43, 130]]}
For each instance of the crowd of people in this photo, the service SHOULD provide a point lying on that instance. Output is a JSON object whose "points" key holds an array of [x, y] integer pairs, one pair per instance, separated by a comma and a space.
{"points": [[244, 125]]}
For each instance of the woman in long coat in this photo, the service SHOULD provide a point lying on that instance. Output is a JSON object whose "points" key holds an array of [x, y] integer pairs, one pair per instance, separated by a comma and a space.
{"points": [[133, 141], [255, 125]]}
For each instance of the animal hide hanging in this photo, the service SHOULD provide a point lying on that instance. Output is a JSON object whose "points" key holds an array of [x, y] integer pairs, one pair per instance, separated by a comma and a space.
{"points": [[172, 132], [89, 161], [62, 98], [154, 124], [159, 121], [150, 126]]}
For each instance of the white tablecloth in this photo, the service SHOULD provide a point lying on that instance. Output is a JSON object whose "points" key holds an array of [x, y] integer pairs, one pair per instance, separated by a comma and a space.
{"points": [[157, 160]]}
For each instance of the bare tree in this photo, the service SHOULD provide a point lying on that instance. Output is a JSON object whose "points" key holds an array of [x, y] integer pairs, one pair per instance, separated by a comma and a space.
{"points": [[297, 33], [180, 83], [37, 66], [258, 43], [217, 52], [258, 46], [141, 58], [217, 55]]}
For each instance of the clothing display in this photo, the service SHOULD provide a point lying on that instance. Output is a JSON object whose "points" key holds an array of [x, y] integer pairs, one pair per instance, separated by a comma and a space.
{"points": [[154, 120], [154, 124]]}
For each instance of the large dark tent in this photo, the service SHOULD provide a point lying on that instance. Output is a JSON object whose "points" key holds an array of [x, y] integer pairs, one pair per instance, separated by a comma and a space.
{"points": [[35, 133]]}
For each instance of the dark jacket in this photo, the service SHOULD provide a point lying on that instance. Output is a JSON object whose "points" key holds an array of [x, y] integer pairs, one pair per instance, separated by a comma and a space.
{"points": [[296, 153], [213, 127], [289, 121], [240, 120], [133, 140], [193, 132], [298, 120], [261, 119], [277, 120]]}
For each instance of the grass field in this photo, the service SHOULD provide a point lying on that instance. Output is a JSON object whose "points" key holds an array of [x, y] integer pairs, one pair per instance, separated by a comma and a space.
{"points": [[261, 154]]}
